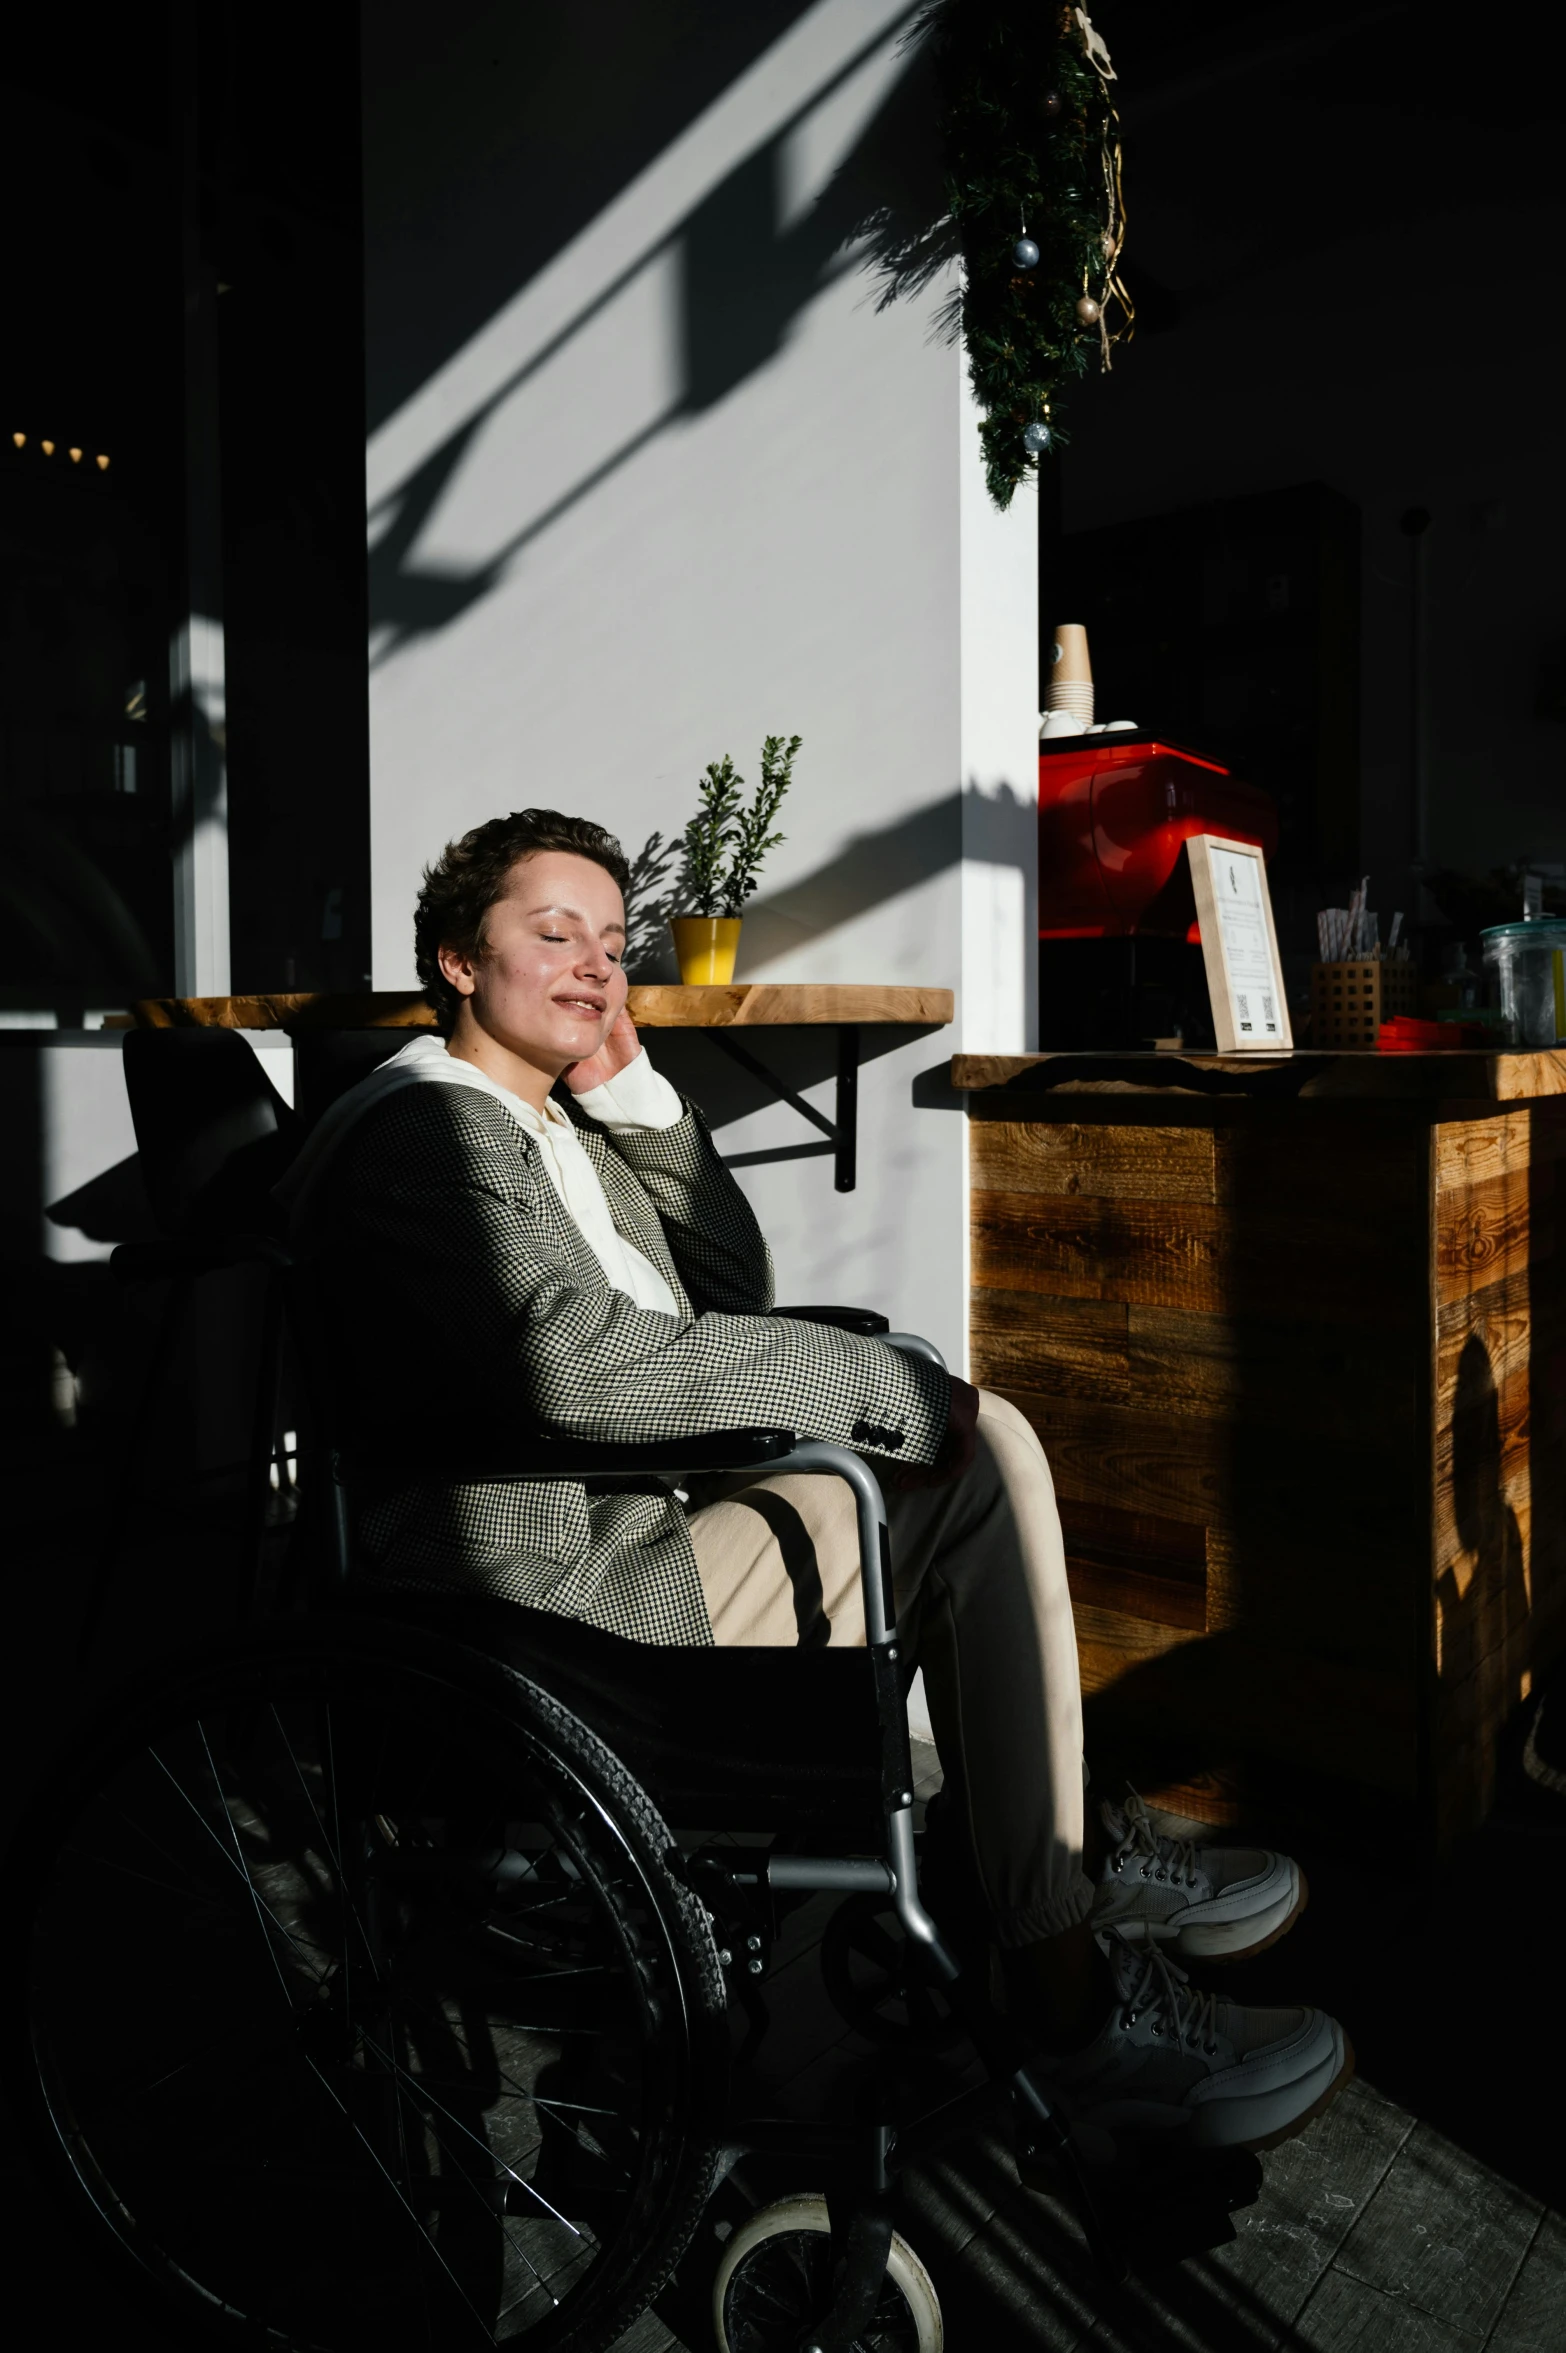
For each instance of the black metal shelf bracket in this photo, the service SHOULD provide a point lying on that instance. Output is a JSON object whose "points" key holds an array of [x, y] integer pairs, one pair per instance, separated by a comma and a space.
{"points": [[842, 1133]]}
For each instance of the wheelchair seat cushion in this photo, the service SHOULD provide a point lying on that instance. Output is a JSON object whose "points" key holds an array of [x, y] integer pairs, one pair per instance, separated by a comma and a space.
{"points": [[721, 1739]]}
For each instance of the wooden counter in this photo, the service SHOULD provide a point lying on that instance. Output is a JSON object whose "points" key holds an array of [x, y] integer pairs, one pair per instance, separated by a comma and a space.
{"points": [[1292, 1333]]}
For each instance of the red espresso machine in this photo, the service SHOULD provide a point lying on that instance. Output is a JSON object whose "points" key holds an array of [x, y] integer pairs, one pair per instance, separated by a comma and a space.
{"points": [[1120, 962]]}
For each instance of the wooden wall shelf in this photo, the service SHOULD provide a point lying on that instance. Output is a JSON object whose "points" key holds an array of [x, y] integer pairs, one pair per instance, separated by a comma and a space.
{"points": [[744, 1005], [747, 1005]]}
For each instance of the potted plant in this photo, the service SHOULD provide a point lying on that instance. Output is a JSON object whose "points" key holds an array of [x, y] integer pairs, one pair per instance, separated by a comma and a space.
{"points": [[723, 847]]}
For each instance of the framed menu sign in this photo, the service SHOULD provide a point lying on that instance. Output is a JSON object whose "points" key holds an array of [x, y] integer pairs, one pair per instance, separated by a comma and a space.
{"points": [[1239, 946]]}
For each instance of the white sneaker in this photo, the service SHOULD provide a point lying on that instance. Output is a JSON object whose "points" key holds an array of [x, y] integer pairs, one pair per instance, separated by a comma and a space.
{"points": [[1170, 2061], [1209, 1903]]}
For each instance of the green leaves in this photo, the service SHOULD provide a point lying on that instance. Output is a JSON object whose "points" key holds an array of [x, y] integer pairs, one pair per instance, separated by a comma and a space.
{"points": [[725, 842], [708, 836], [751, 838]]}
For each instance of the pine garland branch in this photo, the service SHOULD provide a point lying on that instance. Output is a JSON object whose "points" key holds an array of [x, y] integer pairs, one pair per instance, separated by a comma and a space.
{"points": [[1031, 147]]}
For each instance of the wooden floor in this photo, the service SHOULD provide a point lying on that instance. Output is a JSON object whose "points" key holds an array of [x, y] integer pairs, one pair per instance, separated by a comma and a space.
{"points": [[1374, 2232]]}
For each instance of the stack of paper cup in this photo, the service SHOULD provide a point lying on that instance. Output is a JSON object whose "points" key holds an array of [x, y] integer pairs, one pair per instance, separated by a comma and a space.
{"points": [[1070, 685]]}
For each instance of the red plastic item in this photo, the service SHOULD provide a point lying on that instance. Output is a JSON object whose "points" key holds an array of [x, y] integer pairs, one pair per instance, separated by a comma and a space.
{"points": [[1114, 817], [1403, 1034]]}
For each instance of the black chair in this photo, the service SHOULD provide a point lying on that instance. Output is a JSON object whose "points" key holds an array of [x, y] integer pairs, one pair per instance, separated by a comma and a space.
{"points": [[212, 1132], [327, 1062], [418, 2028], [213, 1136]]}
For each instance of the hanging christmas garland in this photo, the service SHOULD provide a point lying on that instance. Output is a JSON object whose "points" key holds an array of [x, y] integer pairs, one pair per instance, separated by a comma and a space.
{"points": [[1034, 212]]}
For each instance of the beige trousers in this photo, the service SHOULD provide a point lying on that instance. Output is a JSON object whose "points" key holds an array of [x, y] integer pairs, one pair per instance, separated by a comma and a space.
{"points": [[979, 1571]]}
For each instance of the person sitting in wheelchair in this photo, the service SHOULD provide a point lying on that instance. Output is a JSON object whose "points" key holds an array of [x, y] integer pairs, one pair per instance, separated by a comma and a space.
{"points": [[528, 1223]]}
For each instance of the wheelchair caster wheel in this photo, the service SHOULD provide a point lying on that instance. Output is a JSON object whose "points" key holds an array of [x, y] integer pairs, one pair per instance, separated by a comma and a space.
{"points": [[776, 2276], [870, 1972]]}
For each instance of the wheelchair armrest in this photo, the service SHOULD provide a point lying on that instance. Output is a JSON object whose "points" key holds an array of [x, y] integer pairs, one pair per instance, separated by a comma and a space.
{"points": [[912, 1344], [869, 1326], [862, 1320], [579, 1458], [197, 1254]]}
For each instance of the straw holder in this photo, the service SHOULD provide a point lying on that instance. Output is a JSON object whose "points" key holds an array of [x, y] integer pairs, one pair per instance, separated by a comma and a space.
{"points": [[1349, 1002]]}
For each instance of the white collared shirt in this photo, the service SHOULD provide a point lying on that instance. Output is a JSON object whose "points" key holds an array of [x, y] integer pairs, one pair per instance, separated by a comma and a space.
{"points": [[638, 1097]]}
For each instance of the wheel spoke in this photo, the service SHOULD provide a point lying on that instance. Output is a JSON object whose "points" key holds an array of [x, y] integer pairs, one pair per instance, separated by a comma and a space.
{"points": [[236, 1862], [115, 2095], [470, 2093], [417, 2091], [390, 2180], [333, 1847], [565, 2107], [407, 2175], [184, 1895], [140, 1830], [547, 2100]]}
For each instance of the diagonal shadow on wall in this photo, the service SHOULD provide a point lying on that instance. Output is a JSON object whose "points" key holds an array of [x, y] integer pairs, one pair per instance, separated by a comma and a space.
{"points": [[993, 828], [745, 273], [517, 128], [871, 867]]}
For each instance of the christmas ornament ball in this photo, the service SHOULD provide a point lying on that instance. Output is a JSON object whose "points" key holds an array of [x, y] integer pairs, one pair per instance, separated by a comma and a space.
{"points": [[1025, 253], [1036, 438], [1050, 105], [1088, 311]]}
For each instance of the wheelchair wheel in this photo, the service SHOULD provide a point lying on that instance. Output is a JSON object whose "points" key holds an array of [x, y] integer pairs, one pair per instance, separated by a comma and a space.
{"points": [[359, 2006], [776, 2276]]}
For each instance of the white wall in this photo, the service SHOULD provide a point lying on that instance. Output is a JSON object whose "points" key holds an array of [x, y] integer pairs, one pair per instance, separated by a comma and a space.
{"points": [[633, 576]]}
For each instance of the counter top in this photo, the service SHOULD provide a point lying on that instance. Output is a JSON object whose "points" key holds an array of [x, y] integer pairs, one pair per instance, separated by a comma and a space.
{"points": [[743, 1005], [1459, 1077]]}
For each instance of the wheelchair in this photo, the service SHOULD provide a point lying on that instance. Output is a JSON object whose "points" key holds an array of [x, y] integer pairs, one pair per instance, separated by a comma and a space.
{"points": [[388, 1970]]}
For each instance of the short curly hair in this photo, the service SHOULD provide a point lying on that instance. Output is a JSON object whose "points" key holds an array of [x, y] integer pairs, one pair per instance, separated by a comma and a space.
{"points": [[470, 875]]}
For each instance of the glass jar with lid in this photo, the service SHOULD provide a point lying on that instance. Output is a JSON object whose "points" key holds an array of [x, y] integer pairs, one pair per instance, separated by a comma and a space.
{"points": [[1525, 966]]}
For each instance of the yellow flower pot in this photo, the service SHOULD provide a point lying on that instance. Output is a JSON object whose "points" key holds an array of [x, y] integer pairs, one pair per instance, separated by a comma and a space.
{"points": [[706, 946]]}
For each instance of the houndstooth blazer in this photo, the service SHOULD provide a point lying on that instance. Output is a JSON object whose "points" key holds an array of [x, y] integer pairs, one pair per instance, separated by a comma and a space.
{"points": [[461, 1289]]}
